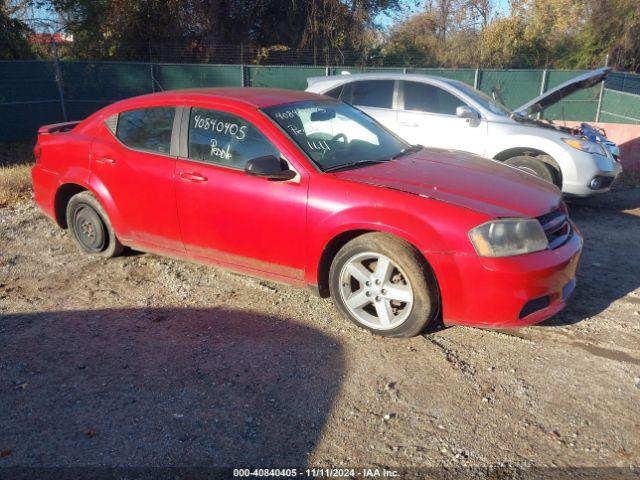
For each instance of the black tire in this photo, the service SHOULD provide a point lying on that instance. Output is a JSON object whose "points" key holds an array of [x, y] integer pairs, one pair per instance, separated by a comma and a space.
{"points": [[534, 166], [90, 227], [410, 263], [555, 169]]}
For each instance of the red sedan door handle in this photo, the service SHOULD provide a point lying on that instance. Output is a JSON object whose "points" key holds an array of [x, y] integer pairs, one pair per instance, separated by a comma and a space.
{"points": [[105, 160], [193, 177]]}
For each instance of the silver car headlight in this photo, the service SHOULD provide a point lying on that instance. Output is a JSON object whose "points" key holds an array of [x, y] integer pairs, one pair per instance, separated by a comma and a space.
{"points": [[585, 145], [612, 149], [507, 237]]}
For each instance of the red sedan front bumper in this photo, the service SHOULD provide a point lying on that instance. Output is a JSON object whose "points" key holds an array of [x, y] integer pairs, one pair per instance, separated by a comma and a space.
{"points": [[506, 292]]}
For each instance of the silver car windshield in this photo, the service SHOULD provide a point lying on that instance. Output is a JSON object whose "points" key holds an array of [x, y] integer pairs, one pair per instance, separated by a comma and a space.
{"points": [[335, 134], [483, 99]]}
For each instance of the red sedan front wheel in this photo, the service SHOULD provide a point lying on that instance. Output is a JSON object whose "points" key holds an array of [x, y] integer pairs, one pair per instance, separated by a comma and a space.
{"points": [[383, 284]]}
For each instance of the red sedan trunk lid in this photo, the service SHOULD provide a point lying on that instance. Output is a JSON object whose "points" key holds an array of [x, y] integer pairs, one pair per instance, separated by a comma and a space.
{"points": [[464, 179]]}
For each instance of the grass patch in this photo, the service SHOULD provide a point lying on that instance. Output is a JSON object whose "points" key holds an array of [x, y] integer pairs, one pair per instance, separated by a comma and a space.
{"points": [[16, 153], [15, 184], [16, 160]]}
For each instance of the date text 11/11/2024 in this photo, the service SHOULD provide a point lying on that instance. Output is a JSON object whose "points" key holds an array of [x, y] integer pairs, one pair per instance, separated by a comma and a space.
{"points": [[316, 473]]}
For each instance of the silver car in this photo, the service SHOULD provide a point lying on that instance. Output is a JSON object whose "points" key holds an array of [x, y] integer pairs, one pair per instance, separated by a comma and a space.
{"points": [[444, 113]]}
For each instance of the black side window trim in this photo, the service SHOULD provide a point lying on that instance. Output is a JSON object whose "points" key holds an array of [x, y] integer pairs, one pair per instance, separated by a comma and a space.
{"points": [[337, 88], [183, 135]]}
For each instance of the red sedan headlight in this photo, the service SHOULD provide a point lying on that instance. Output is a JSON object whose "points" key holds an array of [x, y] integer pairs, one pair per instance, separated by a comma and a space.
{"points": [[508, 236]]}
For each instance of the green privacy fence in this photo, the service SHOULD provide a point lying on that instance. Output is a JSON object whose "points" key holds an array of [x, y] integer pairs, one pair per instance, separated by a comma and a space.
{"points": [[463, 75], [34, 93], [582, 105], [88, 87], [620, 107], [29, 97], [515, 87]]}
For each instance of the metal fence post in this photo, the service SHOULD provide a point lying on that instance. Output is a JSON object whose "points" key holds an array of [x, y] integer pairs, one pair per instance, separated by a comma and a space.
{"points": [[606, 64], [543, 87], [600, 96], [58, 77], [242, 72], [543, 83], [476, 79]]}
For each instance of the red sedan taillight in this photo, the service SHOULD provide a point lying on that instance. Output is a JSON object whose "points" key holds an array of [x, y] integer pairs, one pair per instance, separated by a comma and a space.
{"points": [[37, 152]]}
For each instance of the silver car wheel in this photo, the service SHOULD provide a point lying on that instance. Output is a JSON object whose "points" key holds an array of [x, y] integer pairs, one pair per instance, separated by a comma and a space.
{"points": [[376, 291]]}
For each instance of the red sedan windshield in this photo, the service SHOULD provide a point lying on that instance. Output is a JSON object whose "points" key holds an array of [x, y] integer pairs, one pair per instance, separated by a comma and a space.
{"points": [[334, 134]]}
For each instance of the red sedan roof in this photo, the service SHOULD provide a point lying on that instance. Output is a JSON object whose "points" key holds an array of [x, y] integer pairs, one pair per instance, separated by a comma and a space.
{"points": [[256, 97]]}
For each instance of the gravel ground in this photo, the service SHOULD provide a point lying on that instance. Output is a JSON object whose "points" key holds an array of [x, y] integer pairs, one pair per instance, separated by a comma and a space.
{"points": [[143, 360]]}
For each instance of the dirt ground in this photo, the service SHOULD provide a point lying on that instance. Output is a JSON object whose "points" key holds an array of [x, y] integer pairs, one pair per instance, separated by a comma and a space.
{"points": [[143, 360]]}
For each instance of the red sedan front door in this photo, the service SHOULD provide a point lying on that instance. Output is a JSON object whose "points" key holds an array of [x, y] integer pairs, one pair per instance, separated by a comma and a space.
{"points": [[232, 218]]}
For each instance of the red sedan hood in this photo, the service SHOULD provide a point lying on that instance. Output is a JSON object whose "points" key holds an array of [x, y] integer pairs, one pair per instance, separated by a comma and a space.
{"points": [[464, 179]]}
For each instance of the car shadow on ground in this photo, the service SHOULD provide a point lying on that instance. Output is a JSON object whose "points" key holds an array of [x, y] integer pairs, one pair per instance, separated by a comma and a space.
{"points": [[610, 263], [163, 387]]}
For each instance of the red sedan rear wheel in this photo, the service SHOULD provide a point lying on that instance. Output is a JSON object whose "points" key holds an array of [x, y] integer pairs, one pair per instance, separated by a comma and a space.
{"points": [[90, 227]]}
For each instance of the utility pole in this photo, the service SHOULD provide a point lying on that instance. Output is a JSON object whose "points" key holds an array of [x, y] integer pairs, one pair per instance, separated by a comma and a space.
{"points": [[58, 77]]}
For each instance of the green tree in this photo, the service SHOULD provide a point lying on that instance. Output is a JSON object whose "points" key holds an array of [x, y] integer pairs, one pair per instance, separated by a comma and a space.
{"points": [[612, 28], [122, 29], [446, 33], [509, 43], [14, 35], [533, 34], [413, 43]]}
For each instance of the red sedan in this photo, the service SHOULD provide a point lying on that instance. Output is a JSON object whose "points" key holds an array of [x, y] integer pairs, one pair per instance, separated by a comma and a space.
{"points": [[304, 189]]}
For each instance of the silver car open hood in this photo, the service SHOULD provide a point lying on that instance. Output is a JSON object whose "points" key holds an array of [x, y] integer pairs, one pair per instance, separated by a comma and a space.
{"points": [[586, 80]]}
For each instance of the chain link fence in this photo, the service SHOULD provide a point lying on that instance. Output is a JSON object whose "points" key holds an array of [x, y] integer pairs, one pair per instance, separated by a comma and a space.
{"points": [[372, 55], [37, 92]]}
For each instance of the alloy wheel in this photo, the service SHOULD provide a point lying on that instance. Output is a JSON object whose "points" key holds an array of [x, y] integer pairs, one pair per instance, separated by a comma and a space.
{"points": [[376, 291]]}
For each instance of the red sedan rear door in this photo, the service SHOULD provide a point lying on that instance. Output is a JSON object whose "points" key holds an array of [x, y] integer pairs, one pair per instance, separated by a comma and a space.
{"points": [[132, 163], [227, 216]]}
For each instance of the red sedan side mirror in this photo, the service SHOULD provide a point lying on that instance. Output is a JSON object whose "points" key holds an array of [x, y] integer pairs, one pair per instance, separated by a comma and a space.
{"points": [[269, 167]]}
